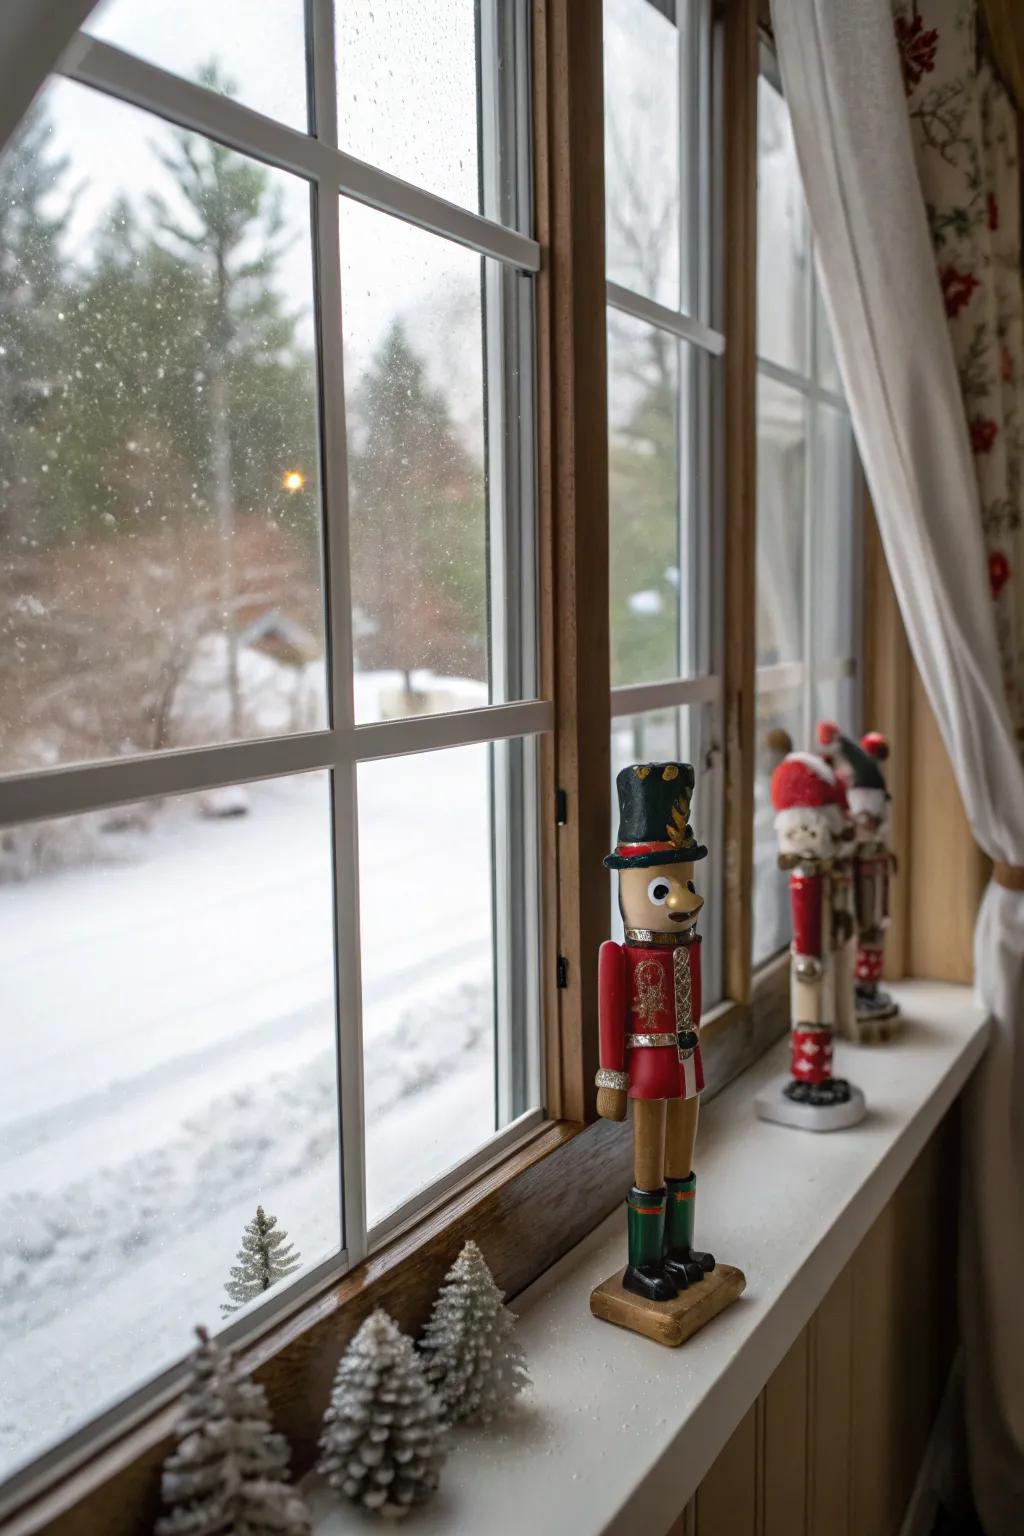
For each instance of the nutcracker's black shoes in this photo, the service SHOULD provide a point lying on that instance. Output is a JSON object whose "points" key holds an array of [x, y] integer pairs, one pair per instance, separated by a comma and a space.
{"points": [[691, 1263], [651, 1281]]}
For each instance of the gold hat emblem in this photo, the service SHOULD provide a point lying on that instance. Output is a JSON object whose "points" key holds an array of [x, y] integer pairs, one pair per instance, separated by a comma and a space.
{"points": [[670, 771]]}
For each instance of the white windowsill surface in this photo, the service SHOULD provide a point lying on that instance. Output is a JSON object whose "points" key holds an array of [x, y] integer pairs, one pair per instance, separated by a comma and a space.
{"points": [[617, 1431]]}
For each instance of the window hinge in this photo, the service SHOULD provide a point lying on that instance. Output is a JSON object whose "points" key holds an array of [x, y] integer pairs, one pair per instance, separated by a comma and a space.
{"points": [[561, 807], [563, 971]]}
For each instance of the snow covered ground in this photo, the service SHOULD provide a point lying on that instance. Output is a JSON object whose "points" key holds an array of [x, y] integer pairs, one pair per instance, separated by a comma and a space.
{"points": [[169, 1061]]}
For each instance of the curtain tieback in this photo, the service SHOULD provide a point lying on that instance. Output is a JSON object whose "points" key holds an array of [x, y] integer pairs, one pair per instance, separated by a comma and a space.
{"points": [[1009, 876]]}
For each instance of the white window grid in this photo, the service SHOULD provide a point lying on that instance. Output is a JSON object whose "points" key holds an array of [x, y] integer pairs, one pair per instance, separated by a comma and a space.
{"points": [[510, 725], [700, 222]]}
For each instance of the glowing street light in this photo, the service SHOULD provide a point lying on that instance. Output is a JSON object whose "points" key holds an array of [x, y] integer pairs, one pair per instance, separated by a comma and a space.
{"points": [[293, 480]]}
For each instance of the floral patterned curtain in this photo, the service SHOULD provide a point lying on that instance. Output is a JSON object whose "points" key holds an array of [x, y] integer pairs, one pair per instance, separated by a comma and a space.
{"points": [[966, 138]]}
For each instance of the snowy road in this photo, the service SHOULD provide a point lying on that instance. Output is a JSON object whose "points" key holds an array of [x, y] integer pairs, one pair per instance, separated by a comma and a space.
{"points": [[169, 1029]]}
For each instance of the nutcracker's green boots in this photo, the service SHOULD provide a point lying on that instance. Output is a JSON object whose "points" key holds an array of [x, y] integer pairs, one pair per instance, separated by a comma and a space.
{"points": [[646, 1274], [687, 1265]]}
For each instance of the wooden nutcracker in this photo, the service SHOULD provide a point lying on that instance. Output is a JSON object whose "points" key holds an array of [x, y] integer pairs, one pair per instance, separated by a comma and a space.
{"points": [[649, 1002], [810, 823], [857, 766]]}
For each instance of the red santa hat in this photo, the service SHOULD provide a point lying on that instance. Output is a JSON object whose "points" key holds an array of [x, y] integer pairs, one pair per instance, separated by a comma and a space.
{"points": [[875, 745], [806, 780]]}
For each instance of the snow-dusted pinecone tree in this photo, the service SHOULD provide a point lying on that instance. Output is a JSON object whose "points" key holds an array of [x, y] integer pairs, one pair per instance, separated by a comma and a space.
{"points": [[262, 1262], [228, 1472], [384, 1436], [474, 1363]]}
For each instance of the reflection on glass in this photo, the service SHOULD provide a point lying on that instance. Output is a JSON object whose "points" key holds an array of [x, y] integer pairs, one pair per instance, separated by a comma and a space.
{"points": [[168, 1064], [415, 401], [407, 91], [782, 238], [643, 149], [781, 467], [778, 723], [159, 503], [428, 968], [835, 542], [644, 529], [245, 48]]}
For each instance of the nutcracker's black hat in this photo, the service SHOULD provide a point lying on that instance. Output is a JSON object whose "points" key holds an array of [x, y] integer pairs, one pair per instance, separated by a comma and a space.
{"points": [[654, 817]]}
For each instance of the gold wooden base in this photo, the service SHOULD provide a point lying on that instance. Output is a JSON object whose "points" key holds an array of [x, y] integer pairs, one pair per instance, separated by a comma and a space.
{"points": [[668, 1322]]}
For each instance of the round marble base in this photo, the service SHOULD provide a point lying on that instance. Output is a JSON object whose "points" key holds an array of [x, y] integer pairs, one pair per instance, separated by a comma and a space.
{"points": [[774, 1105]]}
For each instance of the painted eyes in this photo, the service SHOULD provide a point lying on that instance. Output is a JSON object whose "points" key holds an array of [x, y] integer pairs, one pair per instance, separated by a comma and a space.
{"points": [[657, 892]]}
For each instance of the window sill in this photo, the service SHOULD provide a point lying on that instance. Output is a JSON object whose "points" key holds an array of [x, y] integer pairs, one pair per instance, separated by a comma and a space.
{"points": [[617, 1432]]}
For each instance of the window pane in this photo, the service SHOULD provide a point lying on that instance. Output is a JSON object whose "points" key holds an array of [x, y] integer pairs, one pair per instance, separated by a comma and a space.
{"points": [[407, 91], [836, 698], [646, 579], [414, 376], [781, 477], [779, 716], [643, 148], [677, 735], [783, 254], [835, 542], [436, 1048], [159, 503], [245, 48], [168, 1063], [828, 367]]}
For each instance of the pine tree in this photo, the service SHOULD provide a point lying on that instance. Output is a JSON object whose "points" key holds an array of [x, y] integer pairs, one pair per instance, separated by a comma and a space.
{"points": [[228, 1473], [262, 1262], [474, 1363], [417, 520], [384, 1435]]}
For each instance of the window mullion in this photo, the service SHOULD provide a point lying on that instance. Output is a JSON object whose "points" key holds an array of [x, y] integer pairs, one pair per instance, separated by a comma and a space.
{"points": [[344, 798]]}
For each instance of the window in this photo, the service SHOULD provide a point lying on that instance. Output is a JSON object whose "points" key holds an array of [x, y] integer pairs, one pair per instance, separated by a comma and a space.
{"points": [[807, 505], [268, 680], [664, 618]]}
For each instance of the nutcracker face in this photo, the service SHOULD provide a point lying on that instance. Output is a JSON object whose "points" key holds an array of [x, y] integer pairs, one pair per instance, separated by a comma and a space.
{"points": [[661, 897], [809, 832], [870, 811]]}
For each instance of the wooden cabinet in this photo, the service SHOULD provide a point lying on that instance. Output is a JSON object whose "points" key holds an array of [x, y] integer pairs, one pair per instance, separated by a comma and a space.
{"points": [[833, 1444]]}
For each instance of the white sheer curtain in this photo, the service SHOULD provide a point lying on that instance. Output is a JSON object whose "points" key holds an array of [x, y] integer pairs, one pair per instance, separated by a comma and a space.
{"points": [[842, 80]]}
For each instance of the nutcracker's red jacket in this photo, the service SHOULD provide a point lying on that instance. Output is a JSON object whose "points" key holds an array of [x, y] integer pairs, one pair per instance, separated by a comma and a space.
{"points": [[643, 989]]}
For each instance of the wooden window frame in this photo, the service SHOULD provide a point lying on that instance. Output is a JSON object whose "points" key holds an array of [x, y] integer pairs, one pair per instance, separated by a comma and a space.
{"points": [[534, 1204]]}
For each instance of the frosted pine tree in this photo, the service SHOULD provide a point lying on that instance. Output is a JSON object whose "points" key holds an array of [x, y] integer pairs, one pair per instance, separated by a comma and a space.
{"points": [[473, 1362], [228, 1473], [262, 1262], [384, 1437]]}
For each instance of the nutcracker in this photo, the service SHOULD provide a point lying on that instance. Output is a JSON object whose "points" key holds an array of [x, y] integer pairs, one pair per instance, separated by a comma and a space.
{"points": [[649, 1007], [811, 824], [857, 766]]}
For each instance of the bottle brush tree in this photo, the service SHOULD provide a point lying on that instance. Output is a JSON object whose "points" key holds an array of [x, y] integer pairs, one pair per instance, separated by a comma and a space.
{"points": [[263, 1260], [384, 1436], [473, 1360], [228, 1472]]}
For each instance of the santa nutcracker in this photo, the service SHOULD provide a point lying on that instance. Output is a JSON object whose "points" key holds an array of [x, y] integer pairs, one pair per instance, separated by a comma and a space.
{"points": [[810, 823], [857, 767], [649, 1003]]}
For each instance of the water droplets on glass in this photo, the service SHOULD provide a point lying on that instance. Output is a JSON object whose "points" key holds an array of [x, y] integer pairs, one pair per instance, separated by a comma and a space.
{"points": [[250, 49], [160, 581]]}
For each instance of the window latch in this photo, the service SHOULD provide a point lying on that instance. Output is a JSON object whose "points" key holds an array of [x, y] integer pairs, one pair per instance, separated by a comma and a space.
{"points": [[563, 971], [561, 807]]}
